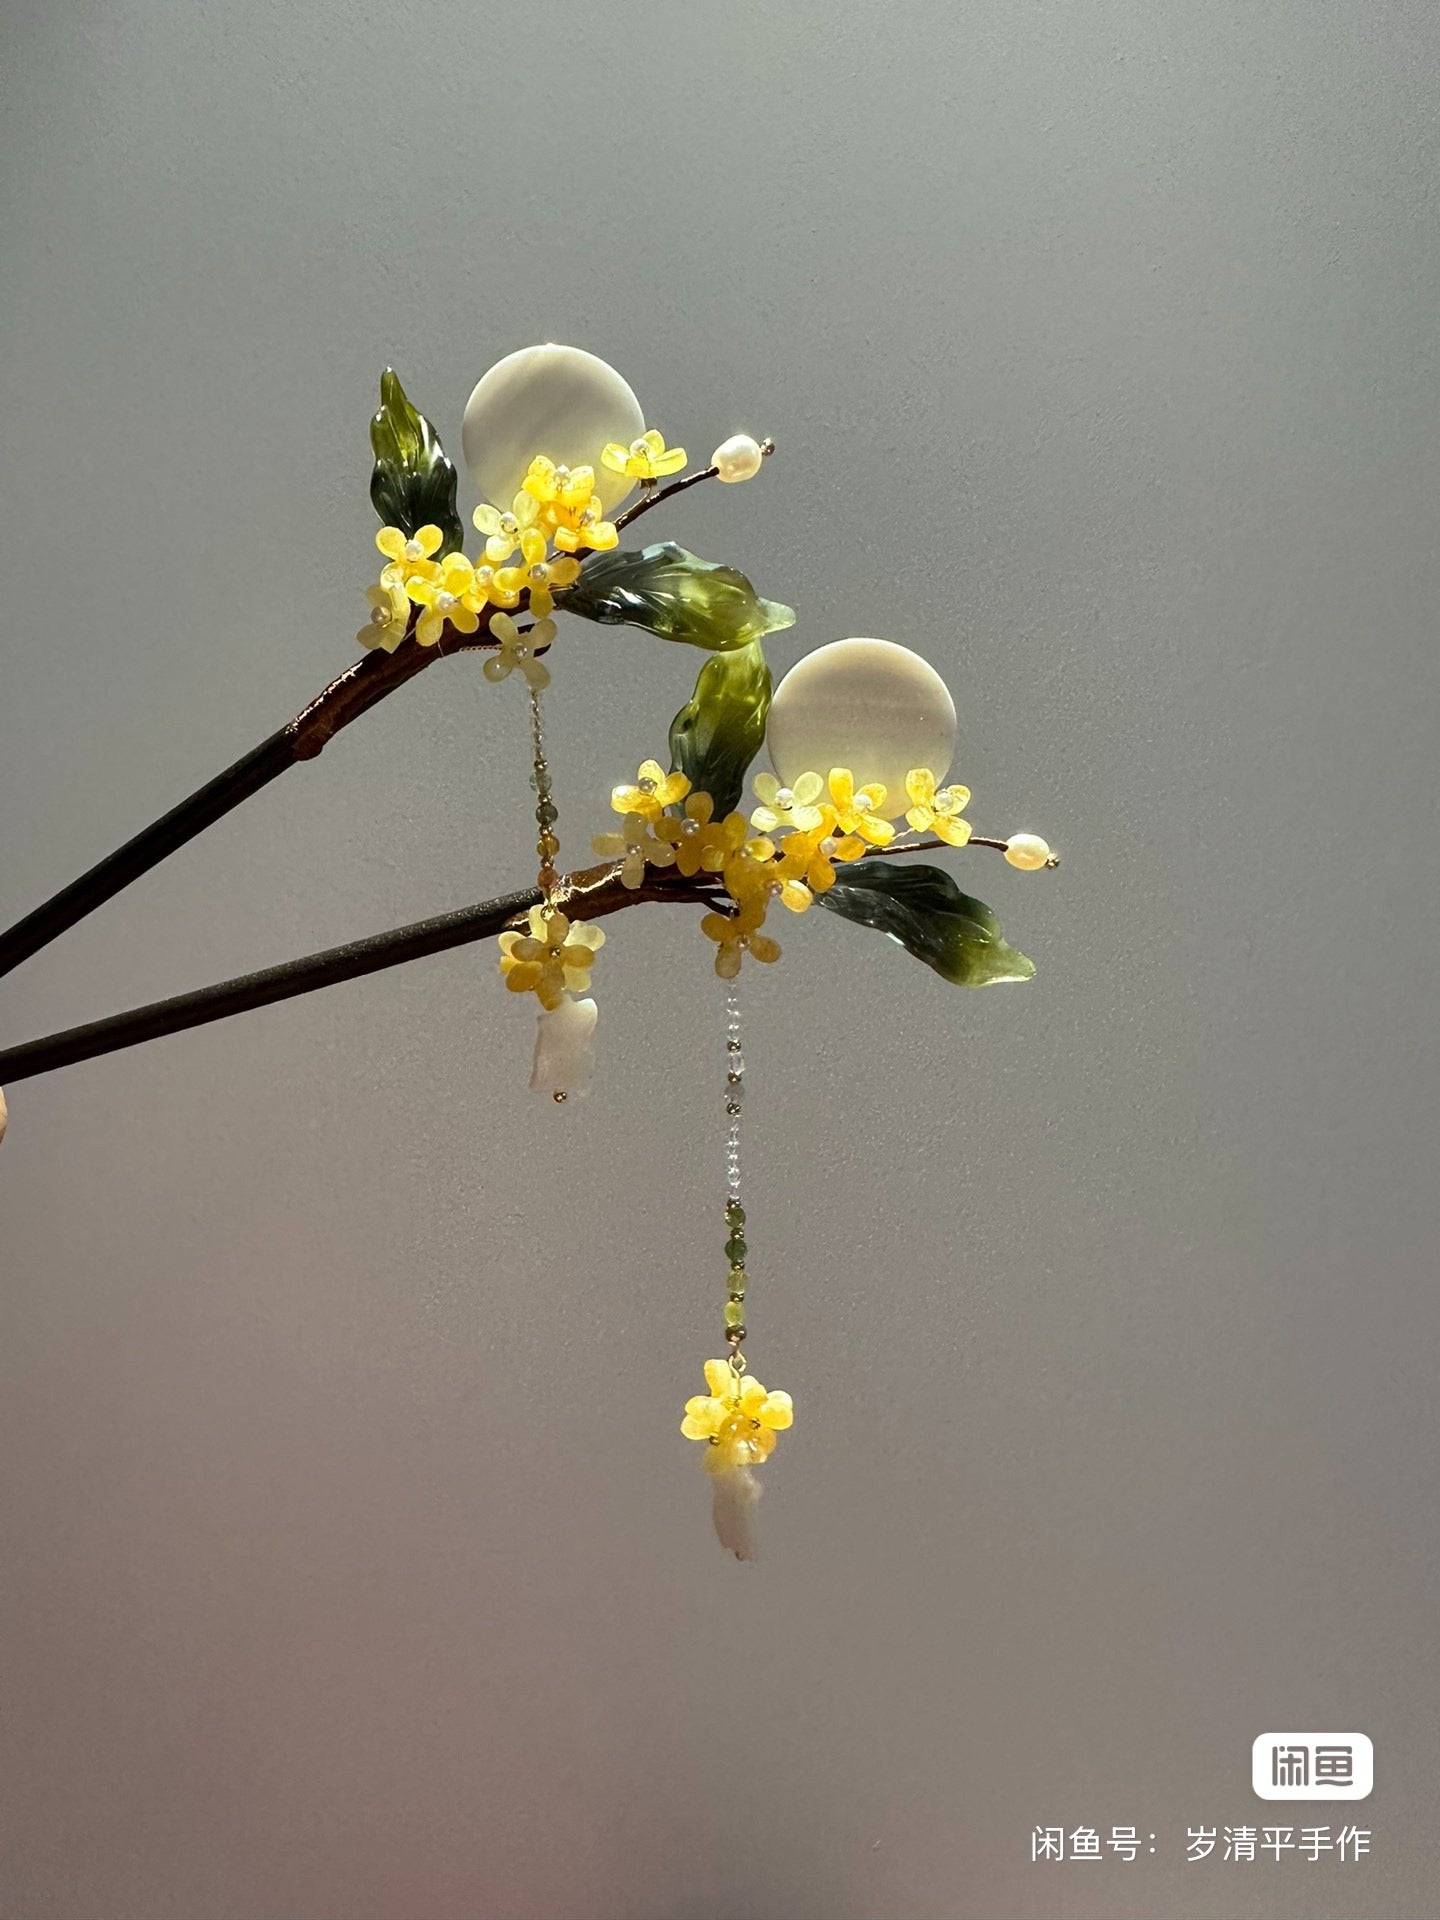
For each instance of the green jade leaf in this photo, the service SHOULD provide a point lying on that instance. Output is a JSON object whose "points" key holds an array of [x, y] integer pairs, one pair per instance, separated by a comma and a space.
{"points": [[674, 594], [413, 483], [926, 912], [721, 728]]}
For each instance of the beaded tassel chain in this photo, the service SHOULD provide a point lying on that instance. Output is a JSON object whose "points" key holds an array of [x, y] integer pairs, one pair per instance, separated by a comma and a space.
{"points": [[737, 1420], [735, 1248], [554, 959], [547, 845]]}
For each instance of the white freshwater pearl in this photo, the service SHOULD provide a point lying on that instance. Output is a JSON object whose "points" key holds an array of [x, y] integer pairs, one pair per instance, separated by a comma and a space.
{"points": [[565, 1049], [868, 705], [559, 401], [737, 458], [1026, 851]]}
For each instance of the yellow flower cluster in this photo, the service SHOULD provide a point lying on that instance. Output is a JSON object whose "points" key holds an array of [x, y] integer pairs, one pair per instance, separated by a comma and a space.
{"points": [[556, 506], [567, 509], [738, 1420], [553, 959], [823, 822]]}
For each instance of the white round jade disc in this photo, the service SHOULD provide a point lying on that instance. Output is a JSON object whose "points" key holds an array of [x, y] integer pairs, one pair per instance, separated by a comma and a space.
{"points": [[559, 401], [864, 704]]}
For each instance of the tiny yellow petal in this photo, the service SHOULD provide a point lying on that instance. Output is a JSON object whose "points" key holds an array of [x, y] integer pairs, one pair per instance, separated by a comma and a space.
{"points": [[956, 832]]}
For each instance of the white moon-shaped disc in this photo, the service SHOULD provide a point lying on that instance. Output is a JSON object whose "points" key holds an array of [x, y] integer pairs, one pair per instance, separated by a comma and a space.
{"points": [[864, 704], [559, 401]]}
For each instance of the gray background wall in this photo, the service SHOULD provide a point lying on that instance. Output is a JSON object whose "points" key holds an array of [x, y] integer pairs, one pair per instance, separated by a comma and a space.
{"points": [[353, 1566]]}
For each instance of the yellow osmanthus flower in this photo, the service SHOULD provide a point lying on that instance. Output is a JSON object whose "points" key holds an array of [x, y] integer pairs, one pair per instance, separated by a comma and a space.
{"points": [[698, 839], [647, 458], [519, 650], [389, 617], [737, 1420], [937, 811], [447, 597], [544, 575], [806, 863], [736, 934], [410, 556], [494, 586], [553, 959], [636, 841], [652, 792], [858, 814], [503, 530], [539, 572], [569, 510], [782, 806]]}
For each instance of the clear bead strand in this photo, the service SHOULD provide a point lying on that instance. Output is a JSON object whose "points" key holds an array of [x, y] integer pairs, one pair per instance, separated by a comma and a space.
{"points": [[735, 1247]]}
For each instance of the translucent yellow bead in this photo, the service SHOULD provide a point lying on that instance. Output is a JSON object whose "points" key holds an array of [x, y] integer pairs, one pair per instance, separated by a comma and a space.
{"points": [[1027, 851]]}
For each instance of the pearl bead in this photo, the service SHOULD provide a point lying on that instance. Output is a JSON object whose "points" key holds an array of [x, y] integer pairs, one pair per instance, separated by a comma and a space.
{"points": [[737, 458], [559, 401], [868, 705], [1026, 851]]}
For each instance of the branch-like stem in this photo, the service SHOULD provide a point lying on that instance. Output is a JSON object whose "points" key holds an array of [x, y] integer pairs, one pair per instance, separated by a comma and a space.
{"points": [[345, 699], [358, 689], [590, 894], [652, 496]]}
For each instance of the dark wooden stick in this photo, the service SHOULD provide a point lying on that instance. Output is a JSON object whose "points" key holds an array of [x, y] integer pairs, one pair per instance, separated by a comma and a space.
{"points": [[345, 699], [591, 894]]}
